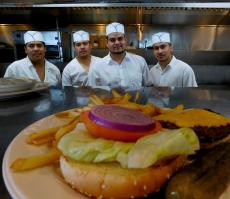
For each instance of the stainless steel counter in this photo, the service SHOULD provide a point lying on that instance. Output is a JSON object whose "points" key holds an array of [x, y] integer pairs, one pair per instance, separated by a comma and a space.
{"points": [[18, 113]]}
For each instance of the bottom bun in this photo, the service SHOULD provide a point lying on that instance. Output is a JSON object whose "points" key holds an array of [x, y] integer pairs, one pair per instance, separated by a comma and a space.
{"points": [[110, 180]]}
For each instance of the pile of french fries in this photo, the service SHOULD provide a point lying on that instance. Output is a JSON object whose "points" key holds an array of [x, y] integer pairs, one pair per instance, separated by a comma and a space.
{"points": [[51, 136]]}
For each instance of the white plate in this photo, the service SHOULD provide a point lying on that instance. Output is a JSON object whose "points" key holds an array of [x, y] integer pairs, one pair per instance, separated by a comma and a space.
{"points": [[37, 87], [46, 182], [9, 84]]}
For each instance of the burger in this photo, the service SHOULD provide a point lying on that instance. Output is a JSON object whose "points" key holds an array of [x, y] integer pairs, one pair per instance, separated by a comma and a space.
{"points": [[116, 152], [210, 127]]}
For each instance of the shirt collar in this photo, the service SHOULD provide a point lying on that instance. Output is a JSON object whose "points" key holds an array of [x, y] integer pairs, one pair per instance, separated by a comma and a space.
{"points": [[170, 65], [30, 65], [172, 62], [109, 59]]}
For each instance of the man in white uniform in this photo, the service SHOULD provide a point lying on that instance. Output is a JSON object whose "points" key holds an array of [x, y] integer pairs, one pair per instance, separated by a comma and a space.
{"points": [[35, 66], [169, 71], [119, 68], [76, 71]]}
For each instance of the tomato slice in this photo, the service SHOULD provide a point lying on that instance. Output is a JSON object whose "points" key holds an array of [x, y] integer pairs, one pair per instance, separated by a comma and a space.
{"points": [[115, 134]]}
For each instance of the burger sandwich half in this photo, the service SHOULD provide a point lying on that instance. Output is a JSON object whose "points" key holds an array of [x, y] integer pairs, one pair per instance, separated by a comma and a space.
{"points": [[117, 152]]}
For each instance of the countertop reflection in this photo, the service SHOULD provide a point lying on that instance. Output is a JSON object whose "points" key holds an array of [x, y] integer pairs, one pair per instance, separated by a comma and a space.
{"points": [[18, 113]]}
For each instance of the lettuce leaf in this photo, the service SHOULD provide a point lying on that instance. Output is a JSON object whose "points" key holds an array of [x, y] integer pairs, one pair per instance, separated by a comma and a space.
{"points": [[149, 149], [145, 152]]}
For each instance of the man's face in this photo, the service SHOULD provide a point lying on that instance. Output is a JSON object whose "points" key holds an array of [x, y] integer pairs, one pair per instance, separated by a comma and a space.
{"points": [[162, 51], [83, 49], [116, 43], [35, 51]]}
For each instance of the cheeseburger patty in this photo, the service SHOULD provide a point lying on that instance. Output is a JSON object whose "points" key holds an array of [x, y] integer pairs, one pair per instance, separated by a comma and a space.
{"points": [[209, 126], [204, 133]]}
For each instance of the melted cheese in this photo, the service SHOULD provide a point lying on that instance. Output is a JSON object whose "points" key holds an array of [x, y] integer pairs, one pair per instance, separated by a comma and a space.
{"points": [[193, 117]]}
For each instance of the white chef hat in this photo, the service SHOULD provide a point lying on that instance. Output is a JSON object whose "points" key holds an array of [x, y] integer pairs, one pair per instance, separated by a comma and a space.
{"points": [[161, 37], [30, 36], [80, 36], [115, 27]]}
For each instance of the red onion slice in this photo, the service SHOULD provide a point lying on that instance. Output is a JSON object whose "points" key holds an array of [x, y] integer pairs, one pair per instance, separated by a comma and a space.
{"points": [[121, 118]]}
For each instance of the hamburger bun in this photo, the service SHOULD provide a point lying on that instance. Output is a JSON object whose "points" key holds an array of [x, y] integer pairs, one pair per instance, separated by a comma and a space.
{"points": [[110, 180]]}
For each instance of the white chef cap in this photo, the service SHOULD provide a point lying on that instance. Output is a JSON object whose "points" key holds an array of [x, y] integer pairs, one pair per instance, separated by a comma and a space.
{"points": [[30, 36], [114, 27], [80, 36], [161, 37]]}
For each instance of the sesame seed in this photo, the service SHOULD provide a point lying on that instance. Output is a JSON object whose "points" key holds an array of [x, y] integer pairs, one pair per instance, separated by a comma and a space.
{"points": [[100, 197], [86, 193], [135, 183], [132, 197], [103, 186], [144, 187]]}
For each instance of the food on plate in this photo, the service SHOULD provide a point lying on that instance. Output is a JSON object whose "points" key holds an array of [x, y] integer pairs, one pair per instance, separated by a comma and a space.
{"points": [[209, 126], [208, 177], [117, 145], [113, 122], [46, 136], [117, 163], [112, 181], [23, 164]]}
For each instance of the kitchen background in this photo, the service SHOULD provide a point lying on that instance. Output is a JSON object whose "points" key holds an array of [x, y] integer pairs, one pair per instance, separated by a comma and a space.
{"points": [[200, 32]]}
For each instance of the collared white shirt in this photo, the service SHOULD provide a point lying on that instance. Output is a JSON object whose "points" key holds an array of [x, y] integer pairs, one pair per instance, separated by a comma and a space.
{"points": [[177, 74], [133, 72], [74, 74], [24, 68]]}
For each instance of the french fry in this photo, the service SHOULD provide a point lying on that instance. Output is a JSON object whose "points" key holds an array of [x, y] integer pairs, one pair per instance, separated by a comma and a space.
{"points": [[62, 114], [177, 109], [115, 94], [42, 140], [65, 114], [23, 164], [148, 109], [112, 100], [137, 96], [96, 100], [46, 135], [66, 129], [78, 110], [42, 133], [125, 99], [180, 107], [130, 105], [86, 108]]}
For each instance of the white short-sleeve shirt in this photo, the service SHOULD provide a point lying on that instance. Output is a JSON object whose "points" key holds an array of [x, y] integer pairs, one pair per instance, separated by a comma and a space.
{"points": [[24, 68], [177, 74], [74, 74], [132, 72]]}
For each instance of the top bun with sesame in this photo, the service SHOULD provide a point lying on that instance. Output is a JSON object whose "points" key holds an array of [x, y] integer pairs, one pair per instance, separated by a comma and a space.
{"points": [[110, 180]]}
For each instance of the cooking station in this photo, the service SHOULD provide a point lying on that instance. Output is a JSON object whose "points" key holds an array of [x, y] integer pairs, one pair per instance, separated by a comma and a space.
{"points": [[200, 31]]}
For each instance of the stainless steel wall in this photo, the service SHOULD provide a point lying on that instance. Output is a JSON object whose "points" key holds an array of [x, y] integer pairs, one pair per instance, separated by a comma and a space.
{"points": [[200, 35], [196, 44]]}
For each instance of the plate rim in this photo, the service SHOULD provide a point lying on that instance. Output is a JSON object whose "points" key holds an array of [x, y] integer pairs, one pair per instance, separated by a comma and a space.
{"points": [[36, 88], [11, 185]]}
